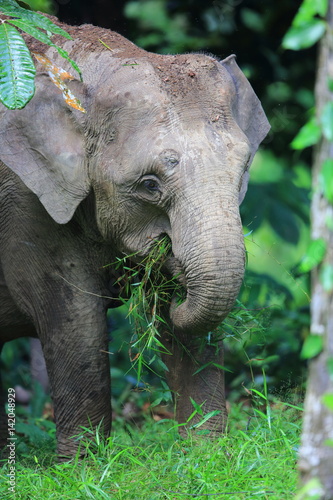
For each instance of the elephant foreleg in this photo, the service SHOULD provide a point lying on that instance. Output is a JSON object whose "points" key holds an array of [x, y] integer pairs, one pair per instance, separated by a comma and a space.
{"points": [[78, 367], [195, 372]]}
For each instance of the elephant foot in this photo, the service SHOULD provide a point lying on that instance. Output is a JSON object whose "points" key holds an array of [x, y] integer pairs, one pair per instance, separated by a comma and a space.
{"points": [[75, 443]]}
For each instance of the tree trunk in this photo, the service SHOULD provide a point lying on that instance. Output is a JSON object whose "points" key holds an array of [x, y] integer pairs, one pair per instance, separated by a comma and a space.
{"points": [[316, 453]]}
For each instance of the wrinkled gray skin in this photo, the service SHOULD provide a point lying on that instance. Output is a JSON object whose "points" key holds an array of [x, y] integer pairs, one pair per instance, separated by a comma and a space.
{"points": [[163, 149]]}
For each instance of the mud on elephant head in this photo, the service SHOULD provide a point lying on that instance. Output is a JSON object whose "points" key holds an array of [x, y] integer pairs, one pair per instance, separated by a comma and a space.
{"points": [[163, 148]]}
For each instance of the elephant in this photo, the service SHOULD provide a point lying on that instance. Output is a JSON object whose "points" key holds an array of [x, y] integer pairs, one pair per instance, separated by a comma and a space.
{"points": [[162, 148]]}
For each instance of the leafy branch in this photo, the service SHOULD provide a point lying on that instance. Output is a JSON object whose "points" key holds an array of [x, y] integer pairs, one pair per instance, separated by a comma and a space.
{"points": [[17, 69]]}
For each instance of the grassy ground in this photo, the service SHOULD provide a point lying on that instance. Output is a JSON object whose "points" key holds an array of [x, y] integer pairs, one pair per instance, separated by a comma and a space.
{"points": [[256, 459]]}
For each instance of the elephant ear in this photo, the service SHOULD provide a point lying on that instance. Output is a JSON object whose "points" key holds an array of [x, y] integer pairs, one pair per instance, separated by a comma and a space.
{"points": [[248, 111], [43, 144]]}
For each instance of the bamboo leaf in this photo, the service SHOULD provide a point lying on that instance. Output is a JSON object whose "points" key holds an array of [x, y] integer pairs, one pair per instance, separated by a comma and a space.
{"points": [[17, 70], [209, 415], [196, 406]]}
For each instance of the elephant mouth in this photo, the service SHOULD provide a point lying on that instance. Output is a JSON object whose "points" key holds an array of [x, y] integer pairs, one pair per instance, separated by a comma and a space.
{"points": [[174, 274], [169, 274], [157, 261], [170, 266]]}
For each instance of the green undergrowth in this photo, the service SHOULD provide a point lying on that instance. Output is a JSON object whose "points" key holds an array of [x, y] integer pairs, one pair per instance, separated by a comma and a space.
{"points": [[256, 458]]}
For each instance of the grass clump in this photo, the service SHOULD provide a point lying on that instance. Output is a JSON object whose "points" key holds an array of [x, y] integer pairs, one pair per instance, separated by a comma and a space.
{"points": [[253, 460]]}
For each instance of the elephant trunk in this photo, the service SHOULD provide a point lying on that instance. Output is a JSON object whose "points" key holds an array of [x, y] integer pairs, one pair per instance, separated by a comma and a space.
{"points": [[213, 259]]}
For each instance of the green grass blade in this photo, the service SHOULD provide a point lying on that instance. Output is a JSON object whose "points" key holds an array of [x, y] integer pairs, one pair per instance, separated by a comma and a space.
{"points": [[17, 70], [209, 415], [259, 394], [197, 407], [299, 408]]}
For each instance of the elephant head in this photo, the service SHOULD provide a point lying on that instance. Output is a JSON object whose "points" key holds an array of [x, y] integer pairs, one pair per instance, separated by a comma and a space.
{"points": [[164, 148]]}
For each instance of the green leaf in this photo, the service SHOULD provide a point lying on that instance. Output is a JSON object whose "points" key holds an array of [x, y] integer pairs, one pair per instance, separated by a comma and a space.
{"points": [[326, 121], [17, 70], [322, 6], [65, 55], [326, 277], [32, 22], [11, 8], [304, 35], [326, 179], [29, 28], [327, 399], [313, 256], [259, 394], [313, 345], [299, 408], [309, 9], [308, 135]]}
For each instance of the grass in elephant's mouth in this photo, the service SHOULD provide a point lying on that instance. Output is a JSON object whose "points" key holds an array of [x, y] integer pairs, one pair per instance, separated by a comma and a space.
{"points": [[255, 459], [150, 289]]}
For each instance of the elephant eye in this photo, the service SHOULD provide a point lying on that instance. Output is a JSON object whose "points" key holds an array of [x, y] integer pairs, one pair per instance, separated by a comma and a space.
{"points": [[149, 189], [151, 185]]}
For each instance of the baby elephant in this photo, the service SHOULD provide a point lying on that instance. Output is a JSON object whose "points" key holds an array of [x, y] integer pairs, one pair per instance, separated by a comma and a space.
{"points": [[162, 149]]}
